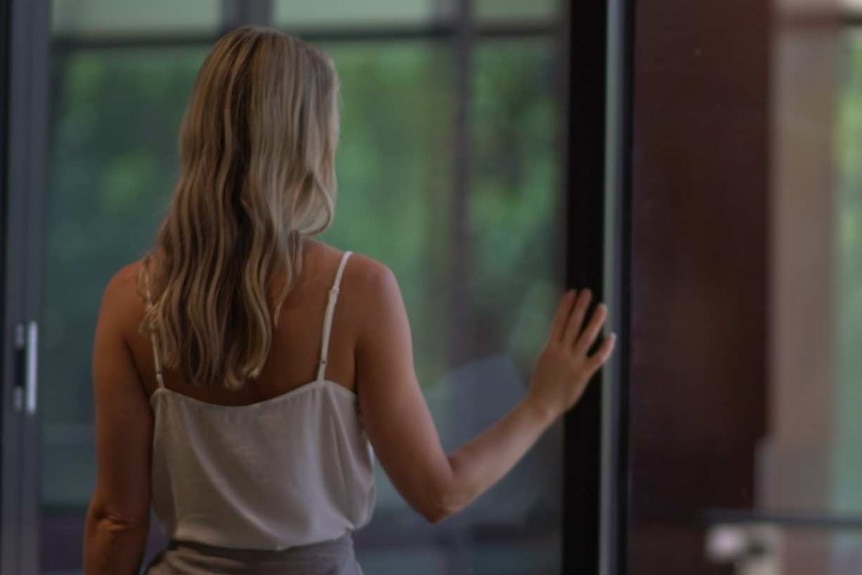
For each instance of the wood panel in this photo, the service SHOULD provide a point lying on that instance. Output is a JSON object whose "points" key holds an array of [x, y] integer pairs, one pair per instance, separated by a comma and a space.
{"points": [[699, 271]]}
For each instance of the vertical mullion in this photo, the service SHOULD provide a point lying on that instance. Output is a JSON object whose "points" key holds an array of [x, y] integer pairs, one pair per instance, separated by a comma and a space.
{"points": [[13, 292], [615, 475], [231, 16], [460, 248], [585, 239], [240, 12], [259, 12], [460, 251]]}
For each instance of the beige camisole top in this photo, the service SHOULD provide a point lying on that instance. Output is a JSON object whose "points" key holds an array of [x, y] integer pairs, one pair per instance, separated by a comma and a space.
{"points": [[292, 470]]}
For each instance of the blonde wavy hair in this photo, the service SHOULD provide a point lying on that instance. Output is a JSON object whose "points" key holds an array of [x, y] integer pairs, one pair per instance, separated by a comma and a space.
{"points": [[257, 176]]}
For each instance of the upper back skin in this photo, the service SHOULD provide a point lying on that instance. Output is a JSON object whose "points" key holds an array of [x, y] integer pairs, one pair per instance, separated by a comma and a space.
{"points": [[295, 351]]}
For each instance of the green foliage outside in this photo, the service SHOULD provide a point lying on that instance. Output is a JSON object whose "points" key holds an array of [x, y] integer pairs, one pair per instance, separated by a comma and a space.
{"points": [[848, 145]]}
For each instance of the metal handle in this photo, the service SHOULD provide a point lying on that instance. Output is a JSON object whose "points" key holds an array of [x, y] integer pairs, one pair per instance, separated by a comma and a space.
{"points": [[32, 365], [27, 345]]}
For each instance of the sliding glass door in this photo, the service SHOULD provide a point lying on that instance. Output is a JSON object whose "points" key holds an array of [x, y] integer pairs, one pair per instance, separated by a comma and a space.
{"points": [[451, 171]]}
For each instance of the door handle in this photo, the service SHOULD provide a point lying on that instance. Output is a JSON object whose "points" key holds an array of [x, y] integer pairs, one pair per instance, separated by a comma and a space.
{"points": [[27, 362]]}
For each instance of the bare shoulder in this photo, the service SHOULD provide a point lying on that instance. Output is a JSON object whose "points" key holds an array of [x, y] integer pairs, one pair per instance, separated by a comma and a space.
{"points": [[371, 282], [121, 300], [362, 273], [374, 297], [367, 272], [124, 283]]}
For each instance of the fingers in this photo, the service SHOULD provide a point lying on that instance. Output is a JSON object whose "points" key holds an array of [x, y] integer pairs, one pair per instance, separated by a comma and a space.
{"points": [[598, 359], [576, 318], [588, 337], [564, 309]]}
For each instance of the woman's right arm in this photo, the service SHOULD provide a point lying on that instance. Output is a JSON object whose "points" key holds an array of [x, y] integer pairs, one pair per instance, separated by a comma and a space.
{"points": [[401, 429]]}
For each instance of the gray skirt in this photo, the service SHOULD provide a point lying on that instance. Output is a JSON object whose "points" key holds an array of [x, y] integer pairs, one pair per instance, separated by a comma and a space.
{"points": [[328, 558]]}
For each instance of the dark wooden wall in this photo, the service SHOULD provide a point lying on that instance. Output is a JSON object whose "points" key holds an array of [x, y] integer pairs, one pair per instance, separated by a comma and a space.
{"points": [[699, 273]]}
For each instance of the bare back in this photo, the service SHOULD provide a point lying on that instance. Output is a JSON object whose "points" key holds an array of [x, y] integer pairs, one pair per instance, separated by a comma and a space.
{"points": [[296, 345]]}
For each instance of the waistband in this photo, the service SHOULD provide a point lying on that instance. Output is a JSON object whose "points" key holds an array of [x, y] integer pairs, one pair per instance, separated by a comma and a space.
{"points": [[335, 557]]}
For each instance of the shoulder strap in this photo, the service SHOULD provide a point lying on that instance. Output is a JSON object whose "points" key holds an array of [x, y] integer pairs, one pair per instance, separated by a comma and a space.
{"points": [[327, 320], [156, 358]]}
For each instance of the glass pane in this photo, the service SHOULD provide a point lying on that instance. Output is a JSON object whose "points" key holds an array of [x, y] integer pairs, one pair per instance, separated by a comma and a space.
{"points": [[395, 181], [516, 269], [294, 14], [848, 405], [112, 165], [395, 174], [123, 17], [515, 10]]}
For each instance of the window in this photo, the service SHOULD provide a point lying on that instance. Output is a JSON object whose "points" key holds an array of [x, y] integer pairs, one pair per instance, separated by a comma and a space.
{"points": [[476, 245]]}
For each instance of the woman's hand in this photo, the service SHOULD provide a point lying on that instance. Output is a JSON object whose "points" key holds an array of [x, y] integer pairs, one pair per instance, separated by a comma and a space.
{"points": [[564, 367]]}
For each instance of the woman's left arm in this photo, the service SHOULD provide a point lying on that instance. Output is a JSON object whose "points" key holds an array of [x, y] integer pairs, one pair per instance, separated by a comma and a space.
{"points": [[119, 514]]}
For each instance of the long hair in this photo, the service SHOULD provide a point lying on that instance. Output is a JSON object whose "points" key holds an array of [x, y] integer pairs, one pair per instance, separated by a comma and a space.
{"points": [[257, 176]]}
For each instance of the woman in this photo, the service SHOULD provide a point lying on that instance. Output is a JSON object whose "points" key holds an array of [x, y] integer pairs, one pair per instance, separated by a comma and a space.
{"points": [[233, 394]]}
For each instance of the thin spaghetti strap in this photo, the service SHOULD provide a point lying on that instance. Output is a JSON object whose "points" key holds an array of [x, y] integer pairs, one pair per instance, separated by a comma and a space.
{"points": [[327, 320], [157, 360]]}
